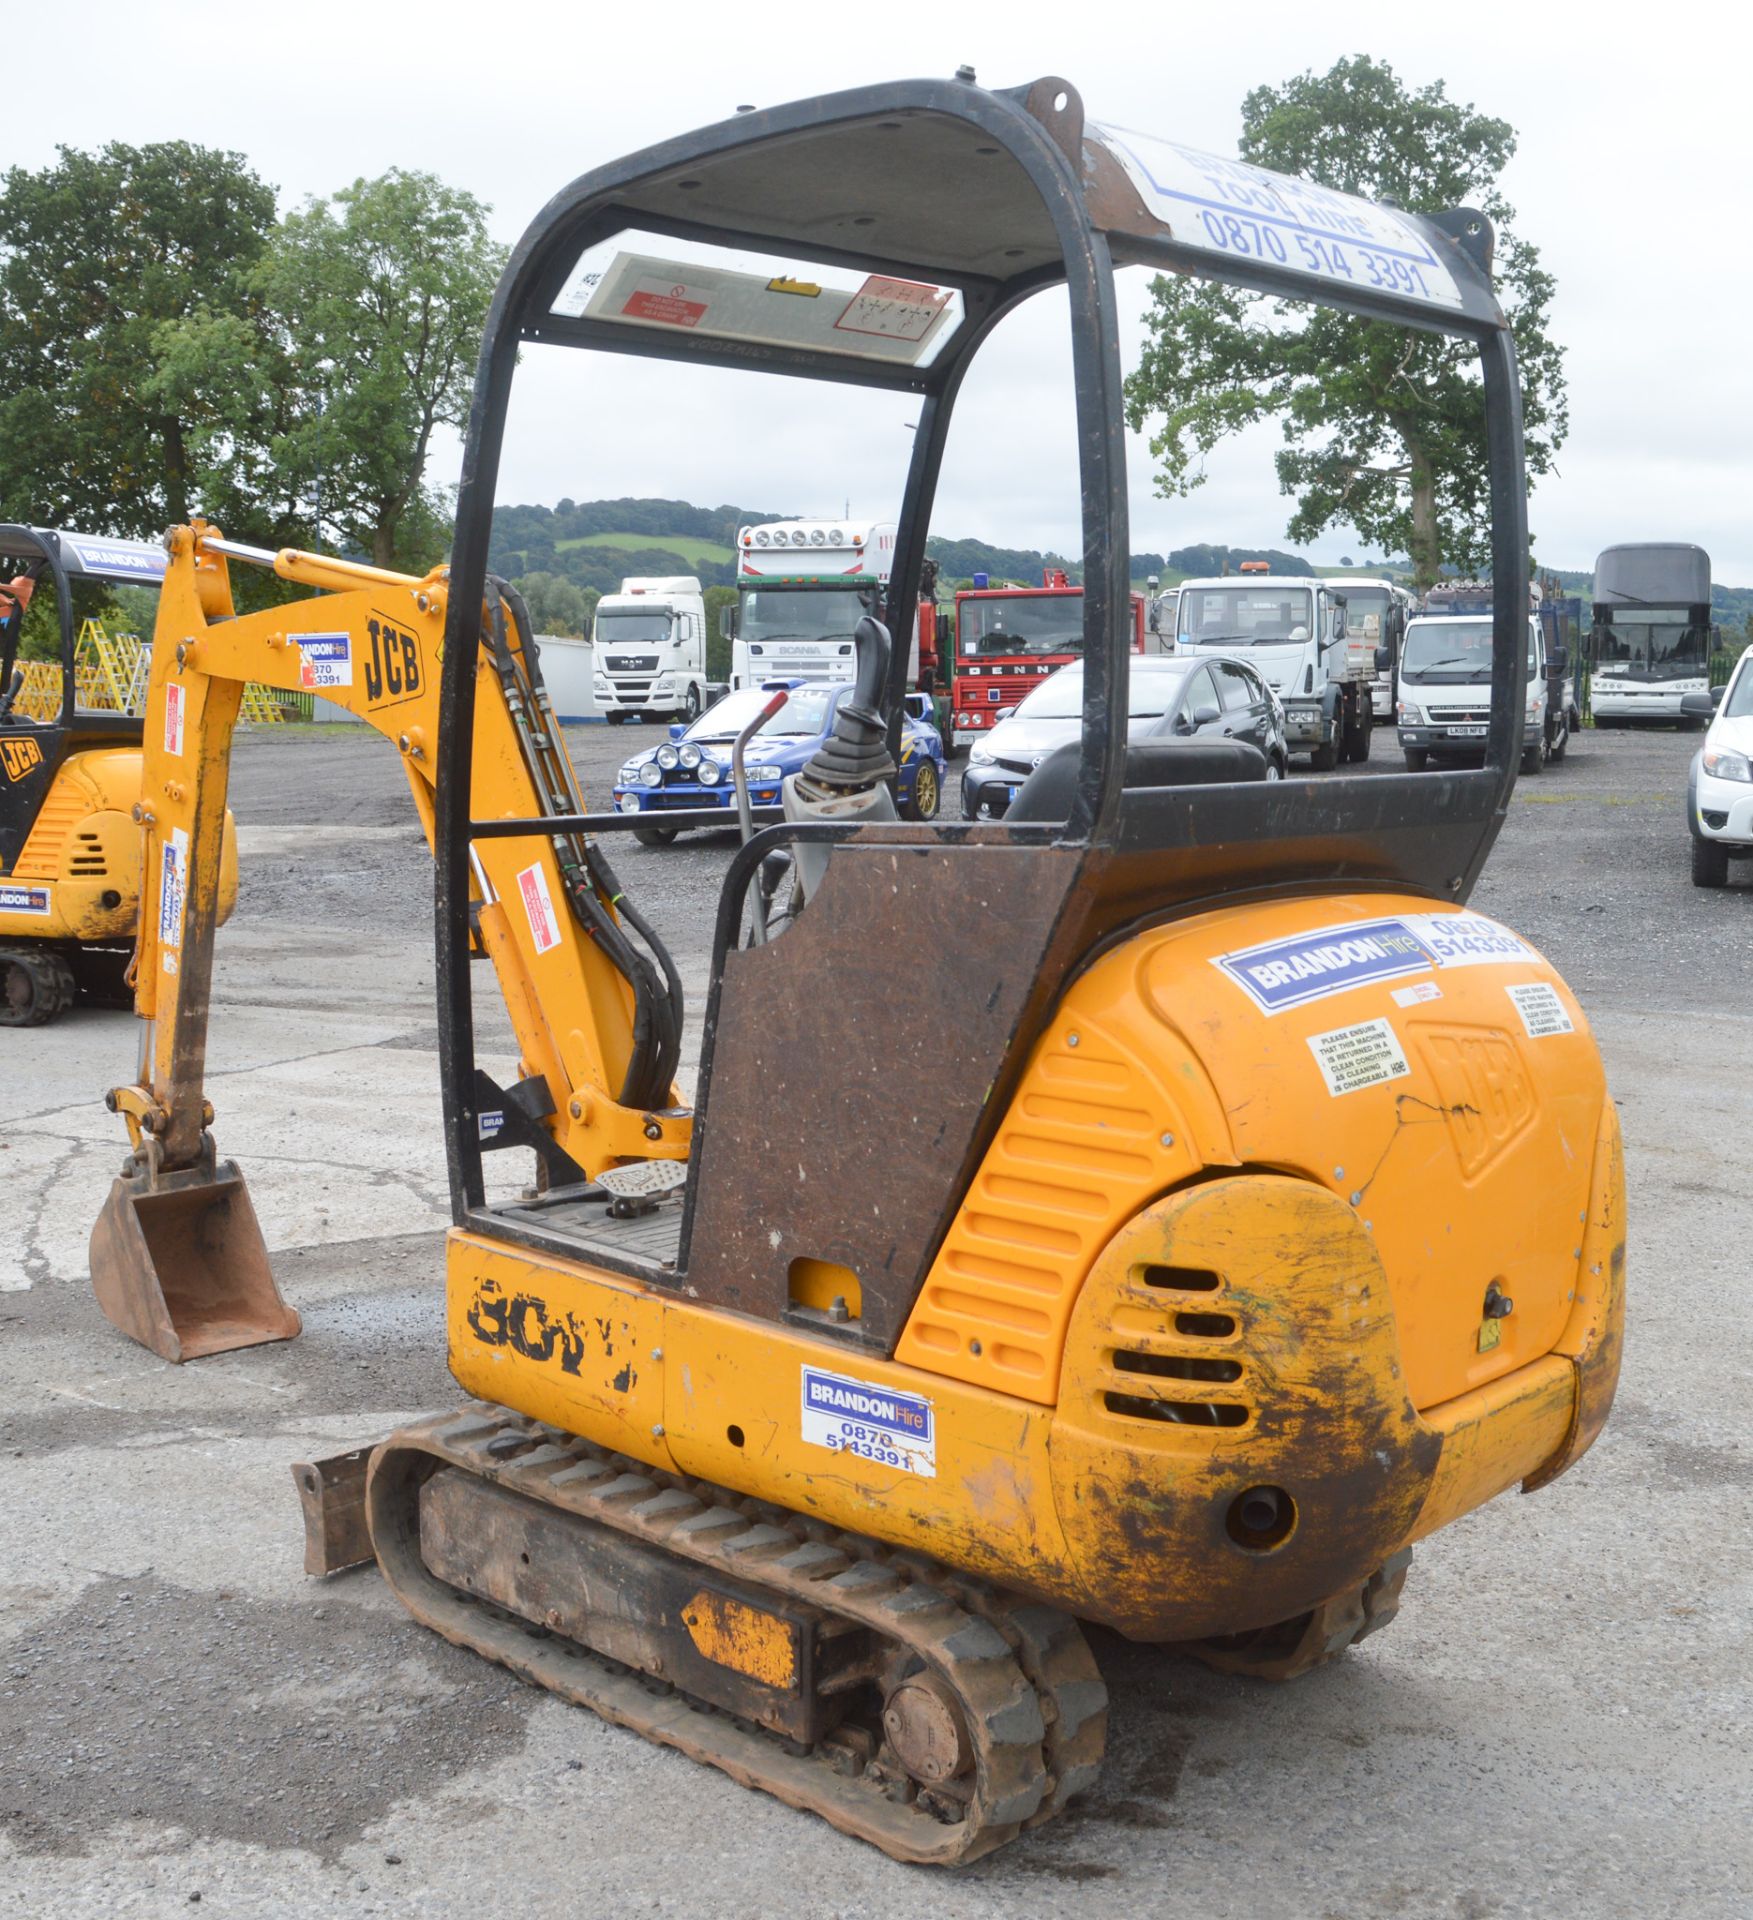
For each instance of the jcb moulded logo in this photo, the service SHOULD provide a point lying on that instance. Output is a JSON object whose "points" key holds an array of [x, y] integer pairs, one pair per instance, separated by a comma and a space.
{"points": [[529, 1327], [20, 757], [392, 670]]}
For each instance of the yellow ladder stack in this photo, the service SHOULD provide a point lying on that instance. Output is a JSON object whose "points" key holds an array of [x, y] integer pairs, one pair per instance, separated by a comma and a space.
{"points": [[110, 672]]}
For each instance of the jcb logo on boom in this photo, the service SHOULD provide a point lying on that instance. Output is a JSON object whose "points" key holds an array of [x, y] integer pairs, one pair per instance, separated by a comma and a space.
{"points": [[20, 757], [392, 670]]}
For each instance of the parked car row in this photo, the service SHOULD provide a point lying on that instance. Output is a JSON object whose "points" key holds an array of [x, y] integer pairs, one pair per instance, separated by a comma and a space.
{"points": [[1719, 787]]}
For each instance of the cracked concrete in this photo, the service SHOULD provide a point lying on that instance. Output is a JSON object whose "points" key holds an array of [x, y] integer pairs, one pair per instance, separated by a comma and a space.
{"points": [[1554, 1726]]}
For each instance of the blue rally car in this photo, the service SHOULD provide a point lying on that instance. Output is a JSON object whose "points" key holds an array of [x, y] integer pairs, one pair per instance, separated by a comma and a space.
{"points": [[692, 767]]}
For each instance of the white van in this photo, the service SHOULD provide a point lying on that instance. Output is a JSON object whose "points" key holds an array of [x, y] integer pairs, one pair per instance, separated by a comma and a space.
{"points": [[1443, 701]]}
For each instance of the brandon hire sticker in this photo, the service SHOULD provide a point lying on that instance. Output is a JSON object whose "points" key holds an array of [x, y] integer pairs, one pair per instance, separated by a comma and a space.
{"points": [[1541, 1009], [1312, 966], [875, 1423], [538, 903], [173, 874], [328, 661], [1351, 1058], [31, 900]]}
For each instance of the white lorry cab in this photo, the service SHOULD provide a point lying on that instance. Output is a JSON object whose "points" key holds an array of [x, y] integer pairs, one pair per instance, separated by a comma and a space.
{"points": [[649, 642], [1291, 630], [1376, 612], [802, 587], [1444, 699]]}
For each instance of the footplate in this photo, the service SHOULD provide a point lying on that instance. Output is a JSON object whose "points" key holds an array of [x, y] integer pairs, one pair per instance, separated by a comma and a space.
{"points": [[800, 1661]]}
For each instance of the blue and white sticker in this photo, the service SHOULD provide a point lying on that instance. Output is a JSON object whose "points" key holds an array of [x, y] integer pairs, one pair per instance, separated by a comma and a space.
{"points": [[34, 901], [328, 661], [173, 882], [490, 1125], [874, 1423], [122, 558], [1279, 974]]}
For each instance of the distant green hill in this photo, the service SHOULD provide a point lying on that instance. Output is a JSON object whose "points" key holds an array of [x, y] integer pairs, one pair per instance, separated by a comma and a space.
{"points": [[697, 553]]}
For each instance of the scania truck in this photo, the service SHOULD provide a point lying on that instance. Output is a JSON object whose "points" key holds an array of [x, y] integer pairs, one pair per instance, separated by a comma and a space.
{"points": [[649, 642], [1292, 631]]}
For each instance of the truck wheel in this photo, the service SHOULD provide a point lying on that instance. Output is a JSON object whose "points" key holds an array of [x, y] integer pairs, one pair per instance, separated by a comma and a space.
{"points": [[1366, 727], [35, 987], [1324, 758], [691, 706], [1534, 759], [1710, 864], [616, 719], [927, 794], [1560, 741], [655, 836], [1417, 758]]}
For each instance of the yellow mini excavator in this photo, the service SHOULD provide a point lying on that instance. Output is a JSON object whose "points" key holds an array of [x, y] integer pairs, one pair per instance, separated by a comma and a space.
{"points": [[1268, 1218], [69, 789]]}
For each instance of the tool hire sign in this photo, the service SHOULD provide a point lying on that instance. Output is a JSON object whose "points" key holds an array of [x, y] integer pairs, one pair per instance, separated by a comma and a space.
{"points": [[874, 1423]]}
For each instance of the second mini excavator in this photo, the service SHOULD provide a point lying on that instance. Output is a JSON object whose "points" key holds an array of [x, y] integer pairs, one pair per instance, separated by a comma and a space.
{"points": [[1269, 1216]]}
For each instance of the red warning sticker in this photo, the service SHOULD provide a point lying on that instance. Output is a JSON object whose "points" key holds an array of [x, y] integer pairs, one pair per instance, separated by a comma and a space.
{"points": [[538, 903], [672, 309]]}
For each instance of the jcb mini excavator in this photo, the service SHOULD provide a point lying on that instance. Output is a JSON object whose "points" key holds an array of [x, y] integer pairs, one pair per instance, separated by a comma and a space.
{"points": [[69, 786], [1270, 1219]]}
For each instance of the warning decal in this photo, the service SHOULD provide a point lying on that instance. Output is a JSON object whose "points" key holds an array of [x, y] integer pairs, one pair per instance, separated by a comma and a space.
{"points": [[175, 699], [1352, 1058], [895, 309], [1541, 1009], [672, 309], [538, 904]]}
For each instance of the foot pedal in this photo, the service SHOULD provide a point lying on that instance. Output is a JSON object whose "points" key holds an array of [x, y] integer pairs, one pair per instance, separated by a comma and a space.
{"points": [[644, 1179]]}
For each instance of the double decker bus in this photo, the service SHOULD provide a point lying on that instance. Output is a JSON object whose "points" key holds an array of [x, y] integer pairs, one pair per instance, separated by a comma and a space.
{"points": [[1650, 644], [1008, 639]]}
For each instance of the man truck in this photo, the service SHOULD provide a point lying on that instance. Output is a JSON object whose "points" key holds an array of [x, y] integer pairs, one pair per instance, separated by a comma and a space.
{"points": [[650, 648]]}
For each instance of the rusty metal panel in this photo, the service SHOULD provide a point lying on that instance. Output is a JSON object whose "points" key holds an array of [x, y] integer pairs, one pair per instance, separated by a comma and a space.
{"points": [[750, 1653], [840, 1119], [332, 1494]]}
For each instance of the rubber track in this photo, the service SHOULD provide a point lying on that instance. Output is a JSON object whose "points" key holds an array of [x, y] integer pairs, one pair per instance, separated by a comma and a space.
{"points": [[787, 1555]]}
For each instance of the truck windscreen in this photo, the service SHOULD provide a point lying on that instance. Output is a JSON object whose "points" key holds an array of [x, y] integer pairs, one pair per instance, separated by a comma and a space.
{"points": [[1246, 616], [617, 628], [1366, 611], [1011, 624], [800, 613], [1451, 650], [1652, 647]]}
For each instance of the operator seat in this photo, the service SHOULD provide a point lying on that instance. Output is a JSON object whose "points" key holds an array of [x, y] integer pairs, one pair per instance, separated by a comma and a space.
{"points": [[1048, 791]]}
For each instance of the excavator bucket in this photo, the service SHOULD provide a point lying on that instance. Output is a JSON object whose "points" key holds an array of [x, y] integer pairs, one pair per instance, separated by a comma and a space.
{"points": [[179, 1264]]}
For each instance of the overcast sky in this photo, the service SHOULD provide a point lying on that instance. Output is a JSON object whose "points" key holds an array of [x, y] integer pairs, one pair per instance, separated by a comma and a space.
{"points": [[1632, 179]]}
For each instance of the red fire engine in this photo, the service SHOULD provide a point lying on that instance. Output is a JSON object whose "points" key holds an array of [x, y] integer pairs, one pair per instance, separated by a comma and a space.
{"points": [[1008, 639]]}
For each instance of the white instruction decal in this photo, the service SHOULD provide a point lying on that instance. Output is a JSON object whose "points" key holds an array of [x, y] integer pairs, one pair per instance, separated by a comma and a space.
{"points": [[328, 661], [874, 1423], [173, 877], [538, 903], [1415, 996], [895, 309], [1541, 1009], [1351, 1058], [174, 701]]}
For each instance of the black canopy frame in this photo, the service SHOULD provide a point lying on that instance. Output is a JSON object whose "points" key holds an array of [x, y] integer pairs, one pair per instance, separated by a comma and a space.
{"points": [[998, 195]]}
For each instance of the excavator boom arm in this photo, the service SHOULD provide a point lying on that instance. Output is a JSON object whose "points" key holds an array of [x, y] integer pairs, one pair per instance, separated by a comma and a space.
{"points": [[594, 1016]]}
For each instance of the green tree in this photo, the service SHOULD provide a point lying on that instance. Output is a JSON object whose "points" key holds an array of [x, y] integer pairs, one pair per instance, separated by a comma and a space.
{"points": [[718, 648], [100, 254], [1384, 426], [379, 295], [557, 605]]}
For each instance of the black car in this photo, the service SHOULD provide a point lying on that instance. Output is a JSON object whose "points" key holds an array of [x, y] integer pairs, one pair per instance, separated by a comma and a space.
{"points": [[1172, 697]]}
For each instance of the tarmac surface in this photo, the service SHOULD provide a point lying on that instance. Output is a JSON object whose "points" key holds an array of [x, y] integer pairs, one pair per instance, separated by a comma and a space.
{"points": [[1556, 1724]]}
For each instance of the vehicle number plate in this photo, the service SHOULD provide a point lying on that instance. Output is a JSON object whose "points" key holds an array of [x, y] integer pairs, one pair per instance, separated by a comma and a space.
{"points": [[1467, 733]]}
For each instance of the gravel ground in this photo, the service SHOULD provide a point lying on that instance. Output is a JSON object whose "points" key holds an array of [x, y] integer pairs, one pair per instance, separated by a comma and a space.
{"points": [[1554, 1726]]}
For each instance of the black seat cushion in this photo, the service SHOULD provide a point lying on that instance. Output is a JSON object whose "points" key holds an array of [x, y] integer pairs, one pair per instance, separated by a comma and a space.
{"points": [[1048, 791]]}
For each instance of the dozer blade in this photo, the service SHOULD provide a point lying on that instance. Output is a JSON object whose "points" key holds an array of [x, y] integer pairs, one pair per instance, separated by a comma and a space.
{"points": [[179, 1264]]}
